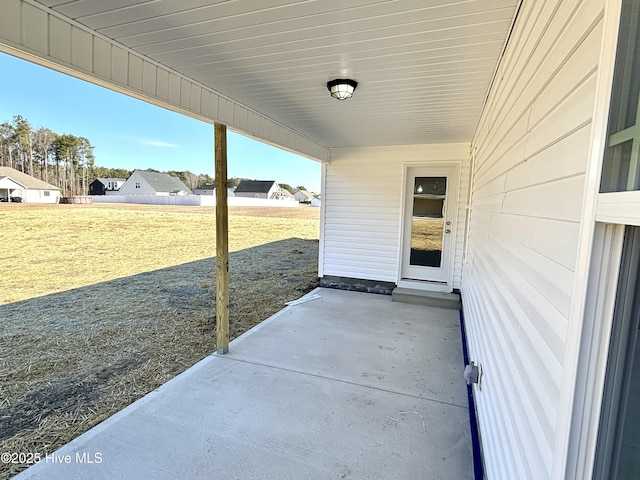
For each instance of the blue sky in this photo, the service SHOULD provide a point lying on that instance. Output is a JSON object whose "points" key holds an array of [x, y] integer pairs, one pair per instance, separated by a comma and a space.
{"points": [[131, 134]]}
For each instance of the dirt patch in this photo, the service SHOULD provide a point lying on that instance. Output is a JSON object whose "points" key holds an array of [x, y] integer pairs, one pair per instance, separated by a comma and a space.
{"points": [[76, 394], [82, 336]]}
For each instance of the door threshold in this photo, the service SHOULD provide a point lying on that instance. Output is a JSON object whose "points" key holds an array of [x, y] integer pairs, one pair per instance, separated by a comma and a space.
{"points": [[425, 285]]}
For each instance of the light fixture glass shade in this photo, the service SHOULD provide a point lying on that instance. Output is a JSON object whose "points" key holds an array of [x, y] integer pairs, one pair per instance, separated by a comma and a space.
{"points": [[342, 88]]}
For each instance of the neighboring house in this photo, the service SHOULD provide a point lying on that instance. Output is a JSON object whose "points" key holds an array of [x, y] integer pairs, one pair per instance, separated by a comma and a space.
{"points": [[210, 190], [206, 189], [268, 189], [315, 201], [19, 187], [10, 190], [484, 124], [286, 194], [303, 196], [142, 182], [100, 186]]}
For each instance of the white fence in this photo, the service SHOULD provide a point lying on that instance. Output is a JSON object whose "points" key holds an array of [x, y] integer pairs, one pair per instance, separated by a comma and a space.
{"points": [[192, 200]]}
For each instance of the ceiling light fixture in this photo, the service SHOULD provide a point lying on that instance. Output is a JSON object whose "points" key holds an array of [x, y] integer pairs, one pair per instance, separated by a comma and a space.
{"points": [[342, 88]]}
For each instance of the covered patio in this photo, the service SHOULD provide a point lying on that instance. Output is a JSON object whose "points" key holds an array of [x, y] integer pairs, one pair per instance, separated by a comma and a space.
{"points": [[506, 104], [343, 385]]}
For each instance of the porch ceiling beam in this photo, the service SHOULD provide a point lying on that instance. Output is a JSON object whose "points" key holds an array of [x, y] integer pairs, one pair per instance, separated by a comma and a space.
{"points": [[36, 33], [222, 240]]}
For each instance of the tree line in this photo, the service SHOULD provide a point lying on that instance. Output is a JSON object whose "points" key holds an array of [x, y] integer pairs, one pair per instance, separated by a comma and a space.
{"points": [[68, 162], [63, 160]]}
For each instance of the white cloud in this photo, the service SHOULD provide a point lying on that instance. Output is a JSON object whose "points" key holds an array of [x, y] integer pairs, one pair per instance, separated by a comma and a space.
{"points": [[158, 143], [143, 141]]}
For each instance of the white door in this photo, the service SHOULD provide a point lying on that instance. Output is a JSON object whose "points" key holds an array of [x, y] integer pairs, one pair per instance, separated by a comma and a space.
{"points": [[429, 226]]}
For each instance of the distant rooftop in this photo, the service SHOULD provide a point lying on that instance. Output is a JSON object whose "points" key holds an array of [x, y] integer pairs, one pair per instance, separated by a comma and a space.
{"points": [[163, 182], [26, 180], [255, 186]]}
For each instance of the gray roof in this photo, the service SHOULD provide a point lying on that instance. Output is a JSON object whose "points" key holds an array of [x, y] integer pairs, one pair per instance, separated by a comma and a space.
{"points": [[163, 182], [104, 180], [255, 186], [26, 180]]}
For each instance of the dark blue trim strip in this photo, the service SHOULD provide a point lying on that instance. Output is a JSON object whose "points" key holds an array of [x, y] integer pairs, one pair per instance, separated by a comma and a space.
{"points": [[478, 472]]}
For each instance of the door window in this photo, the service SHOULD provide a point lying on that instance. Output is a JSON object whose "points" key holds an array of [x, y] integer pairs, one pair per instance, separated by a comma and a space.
{"points": [[427, 222]]}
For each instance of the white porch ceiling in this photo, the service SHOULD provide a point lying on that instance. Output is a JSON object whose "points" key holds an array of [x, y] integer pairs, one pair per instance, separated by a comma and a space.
{"points": [[423, 66]]}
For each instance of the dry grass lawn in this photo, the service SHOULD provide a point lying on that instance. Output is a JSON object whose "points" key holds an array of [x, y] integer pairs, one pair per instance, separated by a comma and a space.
{"points": [[426, 234], [100, 304]]}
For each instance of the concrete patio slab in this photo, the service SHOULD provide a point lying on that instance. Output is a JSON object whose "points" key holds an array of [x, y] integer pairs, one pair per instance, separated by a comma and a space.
{"points": [[368, 340], [349, 385]]}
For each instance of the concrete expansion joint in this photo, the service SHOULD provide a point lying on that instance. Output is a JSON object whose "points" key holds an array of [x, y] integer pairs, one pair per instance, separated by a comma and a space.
{"points": [[346, 382]]}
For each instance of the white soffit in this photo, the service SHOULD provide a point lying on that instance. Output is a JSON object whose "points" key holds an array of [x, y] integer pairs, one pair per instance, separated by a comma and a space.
{"points": [[423, 67]]}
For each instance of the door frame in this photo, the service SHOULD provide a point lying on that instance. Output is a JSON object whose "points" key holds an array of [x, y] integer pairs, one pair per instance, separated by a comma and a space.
{"points": [[623, 336], [453, 193], [594, 348]]}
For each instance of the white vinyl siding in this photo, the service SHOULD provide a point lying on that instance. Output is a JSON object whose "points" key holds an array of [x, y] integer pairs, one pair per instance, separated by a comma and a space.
{"points": [[463, 201], [530, 154], [362, 208], [41, 196], [36, 33], [131, 187]]}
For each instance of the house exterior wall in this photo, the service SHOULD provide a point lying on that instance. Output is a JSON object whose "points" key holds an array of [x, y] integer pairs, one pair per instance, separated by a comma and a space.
{"points": [[529, 156], [9, 187], [273, 192], [250, 195], [301, 197], [42, 196], [97, 188], [362, 208], [8, 183], [212, 193], [115, 185], [270, 195], [129, 188]]}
